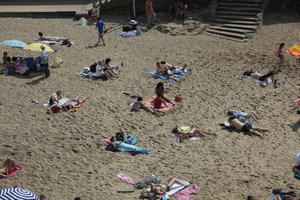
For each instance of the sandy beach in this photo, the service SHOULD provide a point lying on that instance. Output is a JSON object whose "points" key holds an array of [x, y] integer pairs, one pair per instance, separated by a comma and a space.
{"points": [[62, 154]]}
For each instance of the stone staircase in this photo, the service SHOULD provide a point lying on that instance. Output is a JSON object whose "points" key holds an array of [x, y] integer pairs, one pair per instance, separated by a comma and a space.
{"points": [[236, 20]]}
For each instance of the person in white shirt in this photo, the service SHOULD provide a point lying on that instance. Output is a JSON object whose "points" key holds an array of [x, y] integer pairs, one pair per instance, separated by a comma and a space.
{"points": [[45, 60]]}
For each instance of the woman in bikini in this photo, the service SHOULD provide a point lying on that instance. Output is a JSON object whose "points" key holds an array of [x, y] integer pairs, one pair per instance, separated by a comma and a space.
{"points": [[8, 166], [74, 103], [160, 101], [187, 134], [161, 189]]}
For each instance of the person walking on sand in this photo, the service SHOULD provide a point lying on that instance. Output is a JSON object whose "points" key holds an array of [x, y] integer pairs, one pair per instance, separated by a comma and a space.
{"points": [[101, 28], [149, 13], [45, 61]]}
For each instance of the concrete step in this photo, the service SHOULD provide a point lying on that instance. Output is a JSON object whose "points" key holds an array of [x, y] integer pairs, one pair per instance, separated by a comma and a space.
{"points": [[236, 13], [226, 37], [230, 29], [239, 4], [243, 18], [241, 22], [249, 27], [230, 8], [228, 34]]}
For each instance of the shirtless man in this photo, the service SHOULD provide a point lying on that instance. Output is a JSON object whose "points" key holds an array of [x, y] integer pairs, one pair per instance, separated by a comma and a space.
{"points": [[163, 188], [56, 39], [245, 127], [279, 55], [163, 70]]}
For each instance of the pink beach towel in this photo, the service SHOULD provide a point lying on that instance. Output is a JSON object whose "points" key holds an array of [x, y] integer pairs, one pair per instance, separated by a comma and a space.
{"points": [[297, 101], [125, 178], [186, 194], [169, 105], [11, 174]]}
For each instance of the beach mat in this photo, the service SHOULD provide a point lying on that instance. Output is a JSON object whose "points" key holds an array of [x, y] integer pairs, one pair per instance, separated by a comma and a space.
{"points": [[60, 103], [177, 76]]}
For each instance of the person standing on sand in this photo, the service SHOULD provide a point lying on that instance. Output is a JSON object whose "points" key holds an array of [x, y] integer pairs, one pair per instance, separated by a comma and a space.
{"points": [[45, 61], [101, 28], [279, 54], [149, 13]]}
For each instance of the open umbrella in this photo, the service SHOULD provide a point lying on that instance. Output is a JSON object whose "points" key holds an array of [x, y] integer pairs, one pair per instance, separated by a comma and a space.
{"points": [[37, 47], [14, 43], [17, 193], [294, 51]]}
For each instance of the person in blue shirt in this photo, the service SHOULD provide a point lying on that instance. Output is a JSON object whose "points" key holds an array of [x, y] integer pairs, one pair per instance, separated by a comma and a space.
{"points": [[101, 28]]}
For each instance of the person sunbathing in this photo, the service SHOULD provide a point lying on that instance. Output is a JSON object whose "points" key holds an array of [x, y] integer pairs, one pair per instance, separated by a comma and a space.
{"points": [[163, 70], [173, 67], [243, 116], [245, 127], [109, 69], [187, 134], [161, 189], [139, 104], [56, 39], [9, 165], [265, 78], [54, 100], [74, 103]]}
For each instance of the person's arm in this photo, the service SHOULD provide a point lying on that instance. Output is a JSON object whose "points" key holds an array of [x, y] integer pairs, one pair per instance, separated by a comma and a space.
{"points": [[96, 26]]}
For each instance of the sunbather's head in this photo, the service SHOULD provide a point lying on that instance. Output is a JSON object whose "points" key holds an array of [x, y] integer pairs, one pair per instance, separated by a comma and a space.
{"points": [[175, 130], [247, 73], [163, 62], [107, 60], [158, 64], [139, 99], [281, 45], [58, 93], [9, 164], [230, 112], [160, 84], [5, 54], [41, 34]]}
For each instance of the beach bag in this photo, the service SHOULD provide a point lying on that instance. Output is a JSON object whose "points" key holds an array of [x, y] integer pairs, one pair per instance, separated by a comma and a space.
{"points": [[93, 68], [120, 136], [57, 62], [130, 140]]}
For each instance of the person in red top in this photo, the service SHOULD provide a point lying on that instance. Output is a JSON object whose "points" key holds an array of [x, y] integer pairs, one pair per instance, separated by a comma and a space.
{"points": [[149, 13]]}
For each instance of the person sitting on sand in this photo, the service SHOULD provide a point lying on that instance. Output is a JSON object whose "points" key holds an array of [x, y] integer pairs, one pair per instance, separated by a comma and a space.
{"points": [[4, 58], [161, 69], [188, 133], [54, 100], [109, 69], [279, 55], [245, 127], [243, 116], [265, 78], [160, 100], [103, 71], [56, 39], [9, 165], [161, 189], [136, 106]]}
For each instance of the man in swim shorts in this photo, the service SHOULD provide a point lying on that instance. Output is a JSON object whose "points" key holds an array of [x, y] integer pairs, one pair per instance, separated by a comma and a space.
{"points": [[101, 28]]}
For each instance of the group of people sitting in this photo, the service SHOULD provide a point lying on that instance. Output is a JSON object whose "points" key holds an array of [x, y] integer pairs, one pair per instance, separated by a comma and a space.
{"points": [[14, 65], [167, 69], [71, 104], [242, 121], [160, 102], [105, 69]]}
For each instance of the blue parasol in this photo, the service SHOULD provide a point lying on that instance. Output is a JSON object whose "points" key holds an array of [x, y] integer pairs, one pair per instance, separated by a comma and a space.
{"points": [[14, 43]]}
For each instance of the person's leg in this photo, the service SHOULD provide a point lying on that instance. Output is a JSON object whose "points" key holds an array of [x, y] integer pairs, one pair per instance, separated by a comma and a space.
{"points": [[168, 180], [103, 40], [174, 181], [260, 129], [149, 16], [196, 132], [47, 71], [254, 132]]}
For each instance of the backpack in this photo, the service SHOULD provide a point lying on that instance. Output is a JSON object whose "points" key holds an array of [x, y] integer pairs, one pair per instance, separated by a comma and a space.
{"points": [[93, 68], [120, 136], [130, 140]]}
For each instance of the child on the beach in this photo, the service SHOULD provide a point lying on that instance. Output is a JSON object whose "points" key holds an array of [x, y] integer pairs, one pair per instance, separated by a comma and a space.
{"points": [[279, 55]]}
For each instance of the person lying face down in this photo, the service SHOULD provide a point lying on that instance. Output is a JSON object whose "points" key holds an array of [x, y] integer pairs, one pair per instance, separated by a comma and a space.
{"points": [[57, 39], [257, 75], [9, 165], [74, 103], [245, 127]]}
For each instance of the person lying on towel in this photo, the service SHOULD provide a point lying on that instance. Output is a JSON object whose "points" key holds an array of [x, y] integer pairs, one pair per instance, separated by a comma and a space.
{"points": [[9, 165], [173, 67], [186, 132], [56, 39], [74, 104], [160, 69], [265, 78], [245, 127], [53, 101], [139, 104], [164, 187], [243, 116]]}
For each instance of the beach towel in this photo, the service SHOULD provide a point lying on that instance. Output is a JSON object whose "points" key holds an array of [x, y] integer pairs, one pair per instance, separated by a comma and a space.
{"points": [[15, 171], [297, 101], [90, 75], [261, 83], [146, 182], [150, 102], [125, 178], [133, 33], [186, 194], [178, 75], [294, 51], [60, 102], [176, 188], [186, 129], [121, 146]]}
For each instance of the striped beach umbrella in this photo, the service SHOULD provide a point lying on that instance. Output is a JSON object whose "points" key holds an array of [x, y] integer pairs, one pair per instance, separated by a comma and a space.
{"points": [[17, 193]]}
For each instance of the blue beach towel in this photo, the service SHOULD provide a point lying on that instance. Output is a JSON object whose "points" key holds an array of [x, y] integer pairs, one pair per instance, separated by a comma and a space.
{"points": [[121, 146], [60, 102], [261, 83], [176, 73], [133, 33]]}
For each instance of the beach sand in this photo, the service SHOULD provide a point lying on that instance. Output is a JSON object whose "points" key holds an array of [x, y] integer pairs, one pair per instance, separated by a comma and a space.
{"points": [[62, 154]]}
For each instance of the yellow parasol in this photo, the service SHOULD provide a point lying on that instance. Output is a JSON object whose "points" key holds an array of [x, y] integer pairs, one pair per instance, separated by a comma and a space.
{"points": [[37, 47], [294, 51]]}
